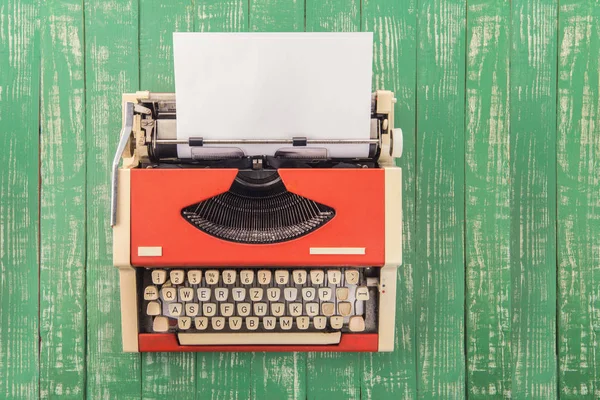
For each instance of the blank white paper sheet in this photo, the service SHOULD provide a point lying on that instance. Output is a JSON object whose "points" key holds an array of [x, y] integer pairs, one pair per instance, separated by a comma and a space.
{"points": [[274, 86]]}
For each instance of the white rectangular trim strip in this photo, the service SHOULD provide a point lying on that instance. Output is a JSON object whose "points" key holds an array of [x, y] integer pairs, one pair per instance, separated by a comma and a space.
{"points": [[337, 250], [149, 251]]}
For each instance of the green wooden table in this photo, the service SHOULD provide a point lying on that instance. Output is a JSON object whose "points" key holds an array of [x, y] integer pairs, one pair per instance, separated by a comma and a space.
{"points": [[499, 295]]}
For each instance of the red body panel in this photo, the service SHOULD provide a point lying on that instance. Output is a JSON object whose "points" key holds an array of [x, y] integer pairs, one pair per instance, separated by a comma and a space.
{"points": [[357, 342], [159, 195]]}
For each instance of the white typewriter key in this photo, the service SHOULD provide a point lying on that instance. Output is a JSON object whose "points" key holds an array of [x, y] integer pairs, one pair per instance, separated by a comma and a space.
{"points": [[290, 294], [334, 277], [264, 276], [159, 276], [186, 294], [309, 294], [351, 276], [227, 309], [312, 309], [194, 277], [251, 323], [235, 323], [342, 293], [336, 322], [169, 294], [247, 277], [345, 308], [153, 308], [191, 309], [277, 309], [362, 293], [356, 324], [285, 323], [150, 293], [176, 276], [229, 276], [160, 324], [269, 323], [256, 294], [302, 323], [221, 294], [260, 309], [328, 309], [295, 309], [209, 309], [299, 276], [320, 322], [282, 277], [201, 323], [184, 323], [317, 276], [273, 294], [175, 309], [243, 309], [217, 323], [325, 294], [239, 294], [211, 276], [203, 294]]}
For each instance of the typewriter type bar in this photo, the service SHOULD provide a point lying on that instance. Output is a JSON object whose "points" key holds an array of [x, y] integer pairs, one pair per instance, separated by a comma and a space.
{"points": [[295, 251]]}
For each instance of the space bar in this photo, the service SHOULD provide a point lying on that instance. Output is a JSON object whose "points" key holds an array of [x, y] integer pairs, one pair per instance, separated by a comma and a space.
{"points": [[267, 338]]}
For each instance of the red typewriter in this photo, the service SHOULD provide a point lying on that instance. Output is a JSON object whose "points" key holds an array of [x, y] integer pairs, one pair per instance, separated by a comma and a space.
{"points": [[223, 251]]}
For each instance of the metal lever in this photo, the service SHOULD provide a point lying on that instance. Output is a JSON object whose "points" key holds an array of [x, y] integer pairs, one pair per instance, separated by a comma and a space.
{"points": [[125, 133]]}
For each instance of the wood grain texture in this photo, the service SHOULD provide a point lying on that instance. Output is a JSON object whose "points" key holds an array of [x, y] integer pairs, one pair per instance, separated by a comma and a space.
{"points": [[19, 155], [164, 375], [63, 201], [533, 198], [439, 271], [333, 375], [158, 21], [487, 200], [223, 375], [394, 375], [111, 59], [578, 154], [276, 16]]}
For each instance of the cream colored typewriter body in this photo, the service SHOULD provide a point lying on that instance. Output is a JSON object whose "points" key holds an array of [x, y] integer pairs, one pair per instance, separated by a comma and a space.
{"points": [[295, 251]]}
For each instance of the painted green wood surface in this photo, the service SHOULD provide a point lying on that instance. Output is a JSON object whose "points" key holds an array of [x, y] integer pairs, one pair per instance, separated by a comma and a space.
{"points": [[499, 293], [63, 201], [533, 198], [111, 68], [487, 200], [578, 169]]}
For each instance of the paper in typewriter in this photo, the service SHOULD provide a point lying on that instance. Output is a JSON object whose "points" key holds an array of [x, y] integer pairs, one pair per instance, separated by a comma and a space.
{"points": [[274, 86]]}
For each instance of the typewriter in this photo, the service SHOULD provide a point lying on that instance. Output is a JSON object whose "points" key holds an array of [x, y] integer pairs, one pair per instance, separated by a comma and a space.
{"points": [[223, 251]]}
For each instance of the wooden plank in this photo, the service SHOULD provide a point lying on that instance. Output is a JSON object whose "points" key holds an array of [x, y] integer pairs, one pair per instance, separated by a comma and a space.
{"points": [[164, 375], [332, 16], [578, 152], [19, 97], [63, 197], [223, 375], [277, 375], [333, 375], [158, 21], [111, 58], [487, 205], [439, 271], [394, 375], [276, 16], [533, 198]]}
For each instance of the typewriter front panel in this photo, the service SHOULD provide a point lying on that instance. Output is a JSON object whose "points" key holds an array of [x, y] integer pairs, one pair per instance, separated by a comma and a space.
{"points": [[161, 235]]}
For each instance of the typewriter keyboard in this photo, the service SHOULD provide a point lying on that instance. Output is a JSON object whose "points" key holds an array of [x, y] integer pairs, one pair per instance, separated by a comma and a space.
{"points": [[258, 300]]}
